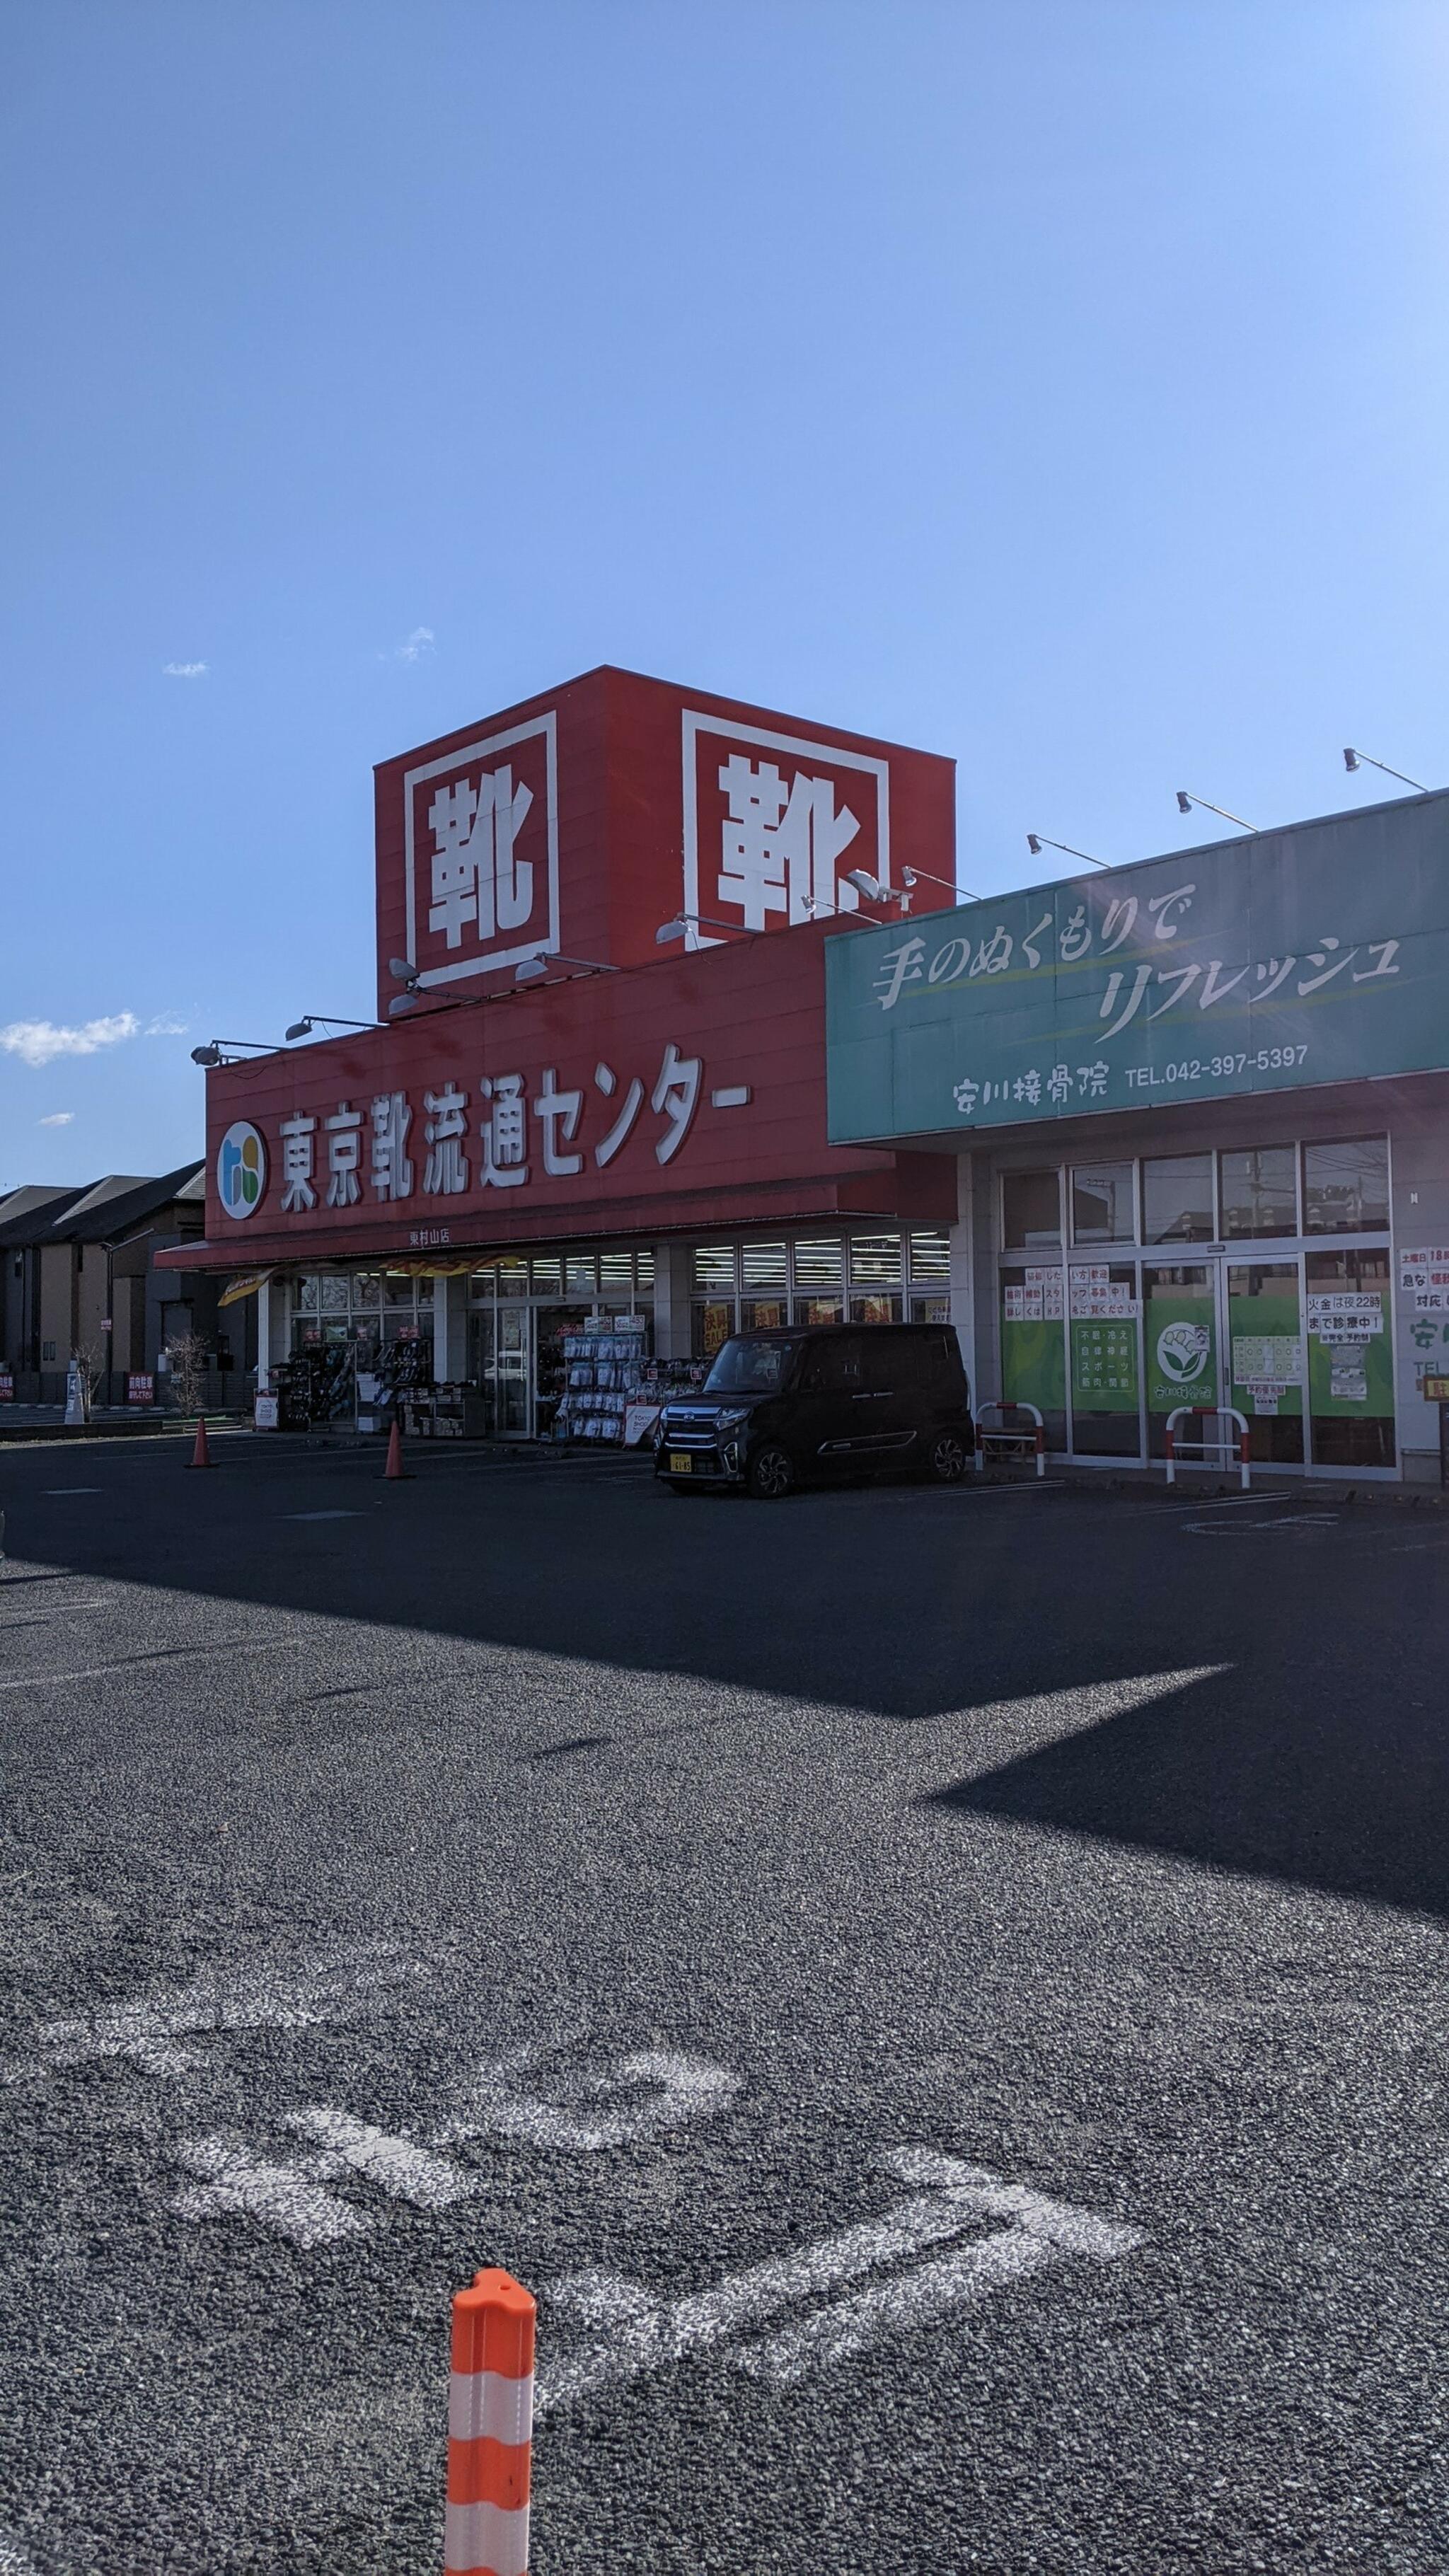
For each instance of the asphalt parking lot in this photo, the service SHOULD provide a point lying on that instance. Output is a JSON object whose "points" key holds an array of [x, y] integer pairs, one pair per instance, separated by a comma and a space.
{"points": [[939, 1993]]}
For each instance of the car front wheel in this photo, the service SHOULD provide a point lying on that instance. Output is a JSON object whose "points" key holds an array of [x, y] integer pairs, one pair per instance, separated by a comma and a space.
{"points": [[948, 1458], [771, 1473]]}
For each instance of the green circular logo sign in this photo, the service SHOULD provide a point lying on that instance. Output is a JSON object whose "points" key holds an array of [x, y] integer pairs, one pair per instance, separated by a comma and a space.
{"points": [[1182, 1353]]}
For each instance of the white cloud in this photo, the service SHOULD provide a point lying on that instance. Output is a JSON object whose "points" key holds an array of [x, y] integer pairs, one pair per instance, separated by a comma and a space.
{"points": [[39, 1042], [58, 1118], [416, 645], [165, 1025], [184, 670]]}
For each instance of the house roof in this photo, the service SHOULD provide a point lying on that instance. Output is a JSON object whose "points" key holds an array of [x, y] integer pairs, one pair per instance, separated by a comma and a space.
{"points": [[99, 1213], [121, 1203], [28, 1215]]}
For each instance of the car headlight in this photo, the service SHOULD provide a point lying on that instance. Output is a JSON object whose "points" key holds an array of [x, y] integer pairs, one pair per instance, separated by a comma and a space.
{"points": [[731, 1416]]}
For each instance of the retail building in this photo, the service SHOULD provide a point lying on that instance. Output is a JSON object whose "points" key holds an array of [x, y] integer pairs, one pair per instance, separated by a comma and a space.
{"points": [[593, 1111], [1200, 1113], [680, 1029]]}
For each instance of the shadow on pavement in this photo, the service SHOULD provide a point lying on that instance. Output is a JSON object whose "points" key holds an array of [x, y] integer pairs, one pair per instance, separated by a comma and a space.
{"points": [[1318, 1755], [1334, 1787]]}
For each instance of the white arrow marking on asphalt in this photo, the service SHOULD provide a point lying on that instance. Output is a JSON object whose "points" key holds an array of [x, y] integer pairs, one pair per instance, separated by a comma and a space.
{"points": [[283, 2196], [1039, 2232], [338, 1985], [640, 2333], [399, 2167]]}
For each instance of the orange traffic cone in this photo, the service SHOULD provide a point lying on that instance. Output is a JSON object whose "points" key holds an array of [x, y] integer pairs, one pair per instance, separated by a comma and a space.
{"points": [[394, 1465], [201, 1455]]}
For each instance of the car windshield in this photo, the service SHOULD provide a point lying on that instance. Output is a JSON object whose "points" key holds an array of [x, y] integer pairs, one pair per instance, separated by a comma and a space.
{"points": [[746, 1367]]}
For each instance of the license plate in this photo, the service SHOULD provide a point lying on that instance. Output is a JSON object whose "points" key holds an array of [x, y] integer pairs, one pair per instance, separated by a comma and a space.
{"points": [[680, 1463]]}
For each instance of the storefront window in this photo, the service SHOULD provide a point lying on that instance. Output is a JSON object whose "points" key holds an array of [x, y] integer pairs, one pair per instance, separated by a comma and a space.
{"points": [[1102, 1335], [877, 1308], [1031, 1209], [762, 1314], [1033, 1347], [714, 1265], [366, 1288], [819, 1310], [1350, 1358], [482, 1283], [616, 1271], [765, 1265], [309, 1293], [713, 1321], [1177, 1199], [820, 1264], [545, 1273], [399, 1288], [930, 1256], [513, 1278], [581, 1275], [875, 1262], [1104, 1204], [1259, 1192], [409, 1328], [644, 1264], [333, 1298], [931, 1310], [1346, 1186]]}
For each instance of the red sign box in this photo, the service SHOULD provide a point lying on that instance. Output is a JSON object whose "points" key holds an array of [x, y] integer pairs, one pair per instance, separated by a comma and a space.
{"points": [[579, 823]]}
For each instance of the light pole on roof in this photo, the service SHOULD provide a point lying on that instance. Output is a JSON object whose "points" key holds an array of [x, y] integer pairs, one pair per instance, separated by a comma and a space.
{"points": [[1356, 759], [1185, 804]]}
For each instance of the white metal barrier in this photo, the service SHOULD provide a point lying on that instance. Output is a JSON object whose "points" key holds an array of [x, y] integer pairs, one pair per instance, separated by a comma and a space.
{"points": [[1008, 1441], [1223, 1451]]}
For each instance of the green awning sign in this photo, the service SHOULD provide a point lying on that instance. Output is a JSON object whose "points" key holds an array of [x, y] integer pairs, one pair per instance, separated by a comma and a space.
{"points": [[1316, 954]]}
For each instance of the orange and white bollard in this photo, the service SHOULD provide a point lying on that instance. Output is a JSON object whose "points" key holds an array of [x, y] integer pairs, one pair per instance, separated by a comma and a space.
{"points": [[490, 2428], [201, 1455]]}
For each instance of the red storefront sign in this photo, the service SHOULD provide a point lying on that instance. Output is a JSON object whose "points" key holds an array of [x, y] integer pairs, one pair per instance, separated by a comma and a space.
{"points": [[688, 1092], [480, 853], [576, 824]]}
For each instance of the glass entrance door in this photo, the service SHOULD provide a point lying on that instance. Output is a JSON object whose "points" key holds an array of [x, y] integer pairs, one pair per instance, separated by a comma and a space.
{"points": [[1181, 1341], [1265, 1346], [502, 1369]]}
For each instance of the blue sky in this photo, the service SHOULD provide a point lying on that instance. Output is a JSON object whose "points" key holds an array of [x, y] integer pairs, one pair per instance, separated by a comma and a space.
{"points": [[1060, 387]]}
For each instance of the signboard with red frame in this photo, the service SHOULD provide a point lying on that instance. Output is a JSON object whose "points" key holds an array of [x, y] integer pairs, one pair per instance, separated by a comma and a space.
{"points": [[688, 1092]]}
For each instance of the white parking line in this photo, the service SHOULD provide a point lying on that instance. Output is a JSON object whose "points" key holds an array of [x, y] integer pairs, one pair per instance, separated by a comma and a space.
{"points": [[55, 1491], [127, 1664], [323, 1516], [1250, 1529]]}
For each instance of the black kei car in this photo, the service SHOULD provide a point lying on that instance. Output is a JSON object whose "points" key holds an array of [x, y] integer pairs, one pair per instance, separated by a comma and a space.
{"points": [[783, 1409]]}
